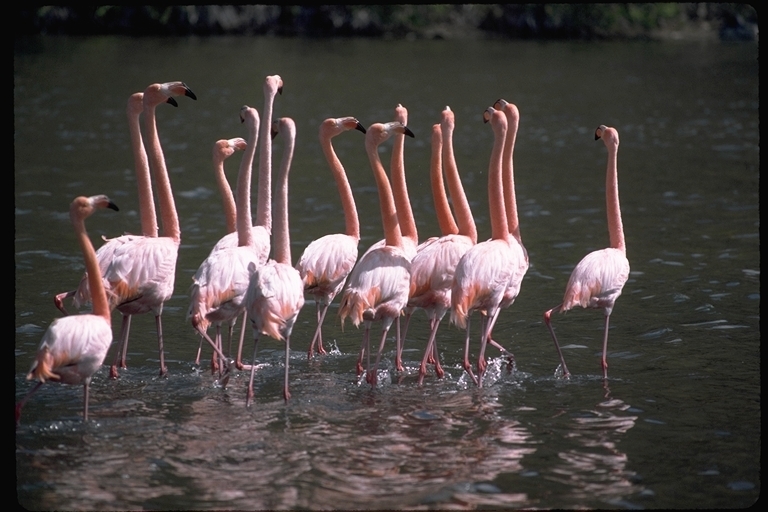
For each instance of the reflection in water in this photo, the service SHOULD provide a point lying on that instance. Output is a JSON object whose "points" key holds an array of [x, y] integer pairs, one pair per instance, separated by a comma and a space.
{"points": [[595, 469]]}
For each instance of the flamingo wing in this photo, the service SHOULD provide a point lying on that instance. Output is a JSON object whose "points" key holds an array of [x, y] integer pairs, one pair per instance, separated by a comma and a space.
{"points": [[274, 298], [598, 279]]}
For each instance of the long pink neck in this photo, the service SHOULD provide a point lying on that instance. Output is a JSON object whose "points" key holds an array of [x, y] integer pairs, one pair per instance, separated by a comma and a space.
{"points": [[227, 197], [282, 237], [351, 220], [264, 195], [510, 198], [461, 208], [499, 226], [442, 208], [243, 214], [615, 227], [168, 215], [392, 233], [95, 284], [399, 185], [143, 178]]}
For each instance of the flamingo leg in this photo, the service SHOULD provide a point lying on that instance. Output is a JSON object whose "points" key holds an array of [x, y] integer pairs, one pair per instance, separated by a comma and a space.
{"points": [[467, 365], [214, 362], [317, 339], [428, 352], [86, 393], [605, 346], [359, 367], [125, 327], [286, 392], [548, 321], [24, 400], [249, 393], [373, 375], [124, 347], [163, 368], [217, 350], [58, 301], [239, 362], [401, 339], [199, 350], [487, 326]]}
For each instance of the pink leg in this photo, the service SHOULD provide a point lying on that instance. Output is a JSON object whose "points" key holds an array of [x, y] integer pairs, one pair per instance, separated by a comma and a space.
{"points": [[548, 321], [286, 392], [249, 393], [199, 350], [605, 347], [125, 328], [217, 350], [373, 375], [467, 365], [239, 362], [24, 401], [159, 323], [429, 351], [363, 346], [401, 339], [58, 301]]}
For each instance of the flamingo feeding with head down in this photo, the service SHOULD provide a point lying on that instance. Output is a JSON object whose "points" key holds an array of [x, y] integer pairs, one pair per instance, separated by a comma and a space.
{"points": [[482, 274], [276, 293], [326, 262], [433, 267], [217, 294], [598, 279], [142, 271], [378, 286], [74, 347]]}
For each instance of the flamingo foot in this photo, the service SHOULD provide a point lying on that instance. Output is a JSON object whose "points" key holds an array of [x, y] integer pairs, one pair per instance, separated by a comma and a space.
{"points": [[371, 378], [359, 369], [468, 369], [439, 371], [164, 371], [286, 395], [249, 397], [113, 372]]}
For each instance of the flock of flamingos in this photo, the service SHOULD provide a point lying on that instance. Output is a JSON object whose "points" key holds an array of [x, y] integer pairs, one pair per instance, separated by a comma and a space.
{"points": [[453, 272]]}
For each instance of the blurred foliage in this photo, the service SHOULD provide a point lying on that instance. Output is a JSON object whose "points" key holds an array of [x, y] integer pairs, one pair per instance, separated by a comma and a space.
{"points": [[545, 21]]}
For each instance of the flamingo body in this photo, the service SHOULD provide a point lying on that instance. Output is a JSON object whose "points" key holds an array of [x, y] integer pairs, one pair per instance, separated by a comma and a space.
{"points": [[597, 281]]}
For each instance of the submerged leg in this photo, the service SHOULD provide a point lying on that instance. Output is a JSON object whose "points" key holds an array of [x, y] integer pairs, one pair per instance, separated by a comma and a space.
{"points": [[548, 321]]}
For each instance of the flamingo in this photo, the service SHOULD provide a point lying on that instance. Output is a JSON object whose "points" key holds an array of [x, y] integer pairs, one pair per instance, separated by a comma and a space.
{"points": [[74, 347], [217, 294], [142, 271], [433, 267], [326, 262], [405, 217], [510, 201], [276, 292], [146, 206], [223, 149], [262, 227], [483, 272], [598, 279], [378, 285]]}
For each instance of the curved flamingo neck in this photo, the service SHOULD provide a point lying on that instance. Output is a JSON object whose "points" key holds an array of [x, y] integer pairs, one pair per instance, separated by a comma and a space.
{"points": [[264, 194], [399, 185], [499, 226], [351, 220], [227, 197], [392, 234], [510, 198], [282, 244], [464, 218], [442, 208], [243, 213], [168, 215], [143, 178], [615, 226], [95, 284]]}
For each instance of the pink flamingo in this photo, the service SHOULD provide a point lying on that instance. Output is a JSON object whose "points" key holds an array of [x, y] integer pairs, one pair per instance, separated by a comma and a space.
{"points": [[326, 262], [378, 286], [482, 274], [262, 227], [142, 271], [510, 201], [74, 347], [276, 293], [146, 206], [433, 267], [405, 217], [223, 149], [598, 279], [217, 294]]}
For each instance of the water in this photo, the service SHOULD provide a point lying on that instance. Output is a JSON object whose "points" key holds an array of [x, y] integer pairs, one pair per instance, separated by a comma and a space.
{"points": [[676, 425]]}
